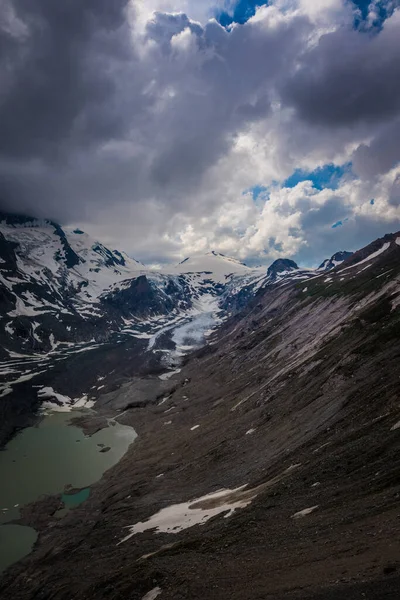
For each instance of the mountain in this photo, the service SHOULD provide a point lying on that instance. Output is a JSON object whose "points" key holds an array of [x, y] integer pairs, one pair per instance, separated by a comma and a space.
{"points": [[68, 303], [334, 261], [59, 286], [268, 469], [218, 266], [66, 298], [280, 267]]}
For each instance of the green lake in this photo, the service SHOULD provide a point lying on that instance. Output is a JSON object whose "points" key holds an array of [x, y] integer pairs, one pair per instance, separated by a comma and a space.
{"points": [[43, 460]]}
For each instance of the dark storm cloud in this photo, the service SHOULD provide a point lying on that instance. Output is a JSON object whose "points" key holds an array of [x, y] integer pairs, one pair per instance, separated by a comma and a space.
{"points": [[54, 76], [98, 113], [348, 77], [381, 154], [75, 90]]}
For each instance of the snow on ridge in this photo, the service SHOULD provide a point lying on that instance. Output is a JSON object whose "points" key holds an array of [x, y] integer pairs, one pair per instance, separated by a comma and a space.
{"points": [[41, 250], [368, 258], [213, 265]]}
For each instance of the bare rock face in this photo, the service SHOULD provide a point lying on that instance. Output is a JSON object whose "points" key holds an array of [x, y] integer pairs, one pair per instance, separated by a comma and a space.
{"points": [[269, 470], [281, 265], [335, 260]]}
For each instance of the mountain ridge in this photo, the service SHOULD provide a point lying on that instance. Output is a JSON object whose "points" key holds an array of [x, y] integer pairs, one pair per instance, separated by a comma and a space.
{"points": [[74, 288], [279, 438]]}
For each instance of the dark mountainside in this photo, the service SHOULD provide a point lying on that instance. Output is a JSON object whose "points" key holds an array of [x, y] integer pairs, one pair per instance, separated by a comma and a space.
{"points": [[337, 258], [74, 311], [296, 398]]}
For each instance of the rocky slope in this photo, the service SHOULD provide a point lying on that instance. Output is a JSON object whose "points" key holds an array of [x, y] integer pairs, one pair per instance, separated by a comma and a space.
{"points": [[270, 470], [334, 261], [66, 300]]}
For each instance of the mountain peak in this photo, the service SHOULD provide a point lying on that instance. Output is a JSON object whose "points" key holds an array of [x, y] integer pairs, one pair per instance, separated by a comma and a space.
{"points": [[217, 265], [280, 265], [225, 258], [19, 220], [335, 260]]}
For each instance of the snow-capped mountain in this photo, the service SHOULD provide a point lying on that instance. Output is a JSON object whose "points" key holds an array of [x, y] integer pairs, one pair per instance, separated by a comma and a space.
{"points": [[334, 261], [68, 301], [59, 286], [217, 266], [46, 257]]}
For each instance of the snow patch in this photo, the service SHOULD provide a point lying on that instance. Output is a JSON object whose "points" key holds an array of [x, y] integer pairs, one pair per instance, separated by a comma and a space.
{"points": [[305, 512], [152, 594], [60, 403], [5, 392], [370, 257], [169, 374], [177, 517]]}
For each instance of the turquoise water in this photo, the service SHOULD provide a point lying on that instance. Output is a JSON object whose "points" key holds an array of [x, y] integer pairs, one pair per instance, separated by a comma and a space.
{"points": [[42, 460], [72, 500]]}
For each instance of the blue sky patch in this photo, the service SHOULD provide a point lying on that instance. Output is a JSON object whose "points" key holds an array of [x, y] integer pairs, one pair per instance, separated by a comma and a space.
{"points": [[256, 190], [384, 9], [339, 223], [372, 202], [327, 176], [239, 11]]}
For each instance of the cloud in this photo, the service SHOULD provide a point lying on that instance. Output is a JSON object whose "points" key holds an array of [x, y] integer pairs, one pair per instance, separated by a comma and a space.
{"points": [[144, 123], [348, 77], [381, 154]]}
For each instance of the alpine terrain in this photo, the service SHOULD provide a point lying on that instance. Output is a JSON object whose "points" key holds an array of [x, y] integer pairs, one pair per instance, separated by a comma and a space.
{"points": [[264, 404]]}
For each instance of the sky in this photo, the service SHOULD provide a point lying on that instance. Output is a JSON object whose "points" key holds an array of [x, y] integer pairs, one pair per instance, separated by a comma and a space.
{"points": [[168, 128]]}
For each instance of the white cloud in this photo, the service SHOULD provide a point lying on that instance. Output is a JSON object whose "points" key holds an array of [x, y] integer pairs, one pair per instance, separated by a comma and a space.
{"points": [[181, 117]]}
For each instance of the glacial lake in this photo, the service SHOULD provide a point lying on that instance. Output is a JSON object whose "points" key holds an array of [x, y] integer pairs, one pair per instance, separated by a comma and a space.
{"points": [[42, 460]]}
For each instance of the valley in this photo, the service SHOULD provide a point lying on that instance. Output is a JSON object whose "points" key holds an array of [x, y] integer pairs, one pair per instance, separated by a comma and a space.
{"points": [[265, 404]]}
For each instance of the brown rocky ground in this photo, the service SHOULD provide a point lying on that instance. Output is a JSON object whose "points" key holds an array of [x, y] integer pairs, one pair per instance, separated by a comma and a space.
{"points": [[316, 376]]}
